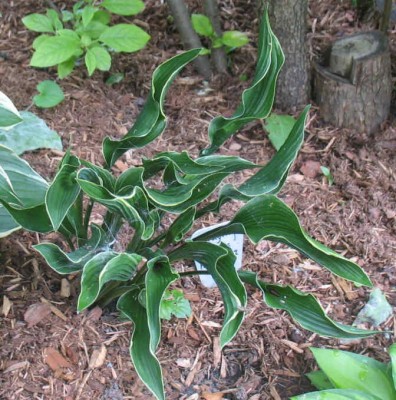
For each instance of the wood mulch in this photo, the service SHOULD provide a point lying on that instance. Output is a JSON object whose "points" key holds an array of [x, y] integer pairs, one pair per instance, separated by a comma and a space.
{"points": [[48, 351]]}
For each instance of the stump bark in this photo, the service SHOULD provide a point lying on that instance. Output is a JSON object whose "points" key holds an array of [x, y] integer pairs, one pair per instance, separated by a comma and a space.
{"points": [[353, 88]]}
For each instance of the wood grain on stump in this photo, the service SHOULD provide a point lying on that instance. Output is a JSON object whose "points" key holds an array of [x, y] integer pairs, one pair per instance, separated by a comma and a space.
{"points": [[353, 89]]}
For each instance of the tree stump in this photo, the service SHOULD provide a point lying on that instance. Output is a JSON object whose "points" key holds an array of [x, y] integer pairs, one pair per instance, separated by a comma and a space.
{"points": [[354, 86]]}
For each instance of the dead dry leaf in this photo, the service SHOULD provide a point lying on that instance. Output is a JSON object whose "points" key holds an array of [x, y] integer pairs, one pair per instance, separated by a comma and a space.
{"points": [[54, 359], [98, 357], [36, 313], [310, 169], [183, 362], [7, 304], [212, 396], [65, 288], [16, 366]]}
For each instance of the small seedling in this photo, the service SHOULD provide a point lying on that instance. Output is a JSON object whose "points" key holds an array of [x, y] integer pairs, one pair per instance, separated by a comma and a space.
{"points": [[230, 39], [51, 94], [326, 172], [84, 35]]}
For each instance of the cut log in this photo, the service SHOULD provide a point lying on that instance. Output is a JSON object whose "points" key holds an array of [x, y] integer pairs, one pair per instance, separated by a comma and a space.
{"points": [[353, 88]]}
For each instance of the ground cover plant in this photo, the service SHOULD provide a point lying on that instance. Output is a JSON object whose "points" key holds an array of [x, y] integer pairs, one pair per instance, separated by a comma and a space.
{"points": [[83, 34], [139, 274], [346, 375]]}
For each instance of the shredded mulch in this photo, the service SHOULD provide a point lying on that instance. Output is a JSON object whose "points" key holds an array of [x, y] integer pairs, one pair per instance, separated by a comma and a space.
{"points": [[48, 351]]}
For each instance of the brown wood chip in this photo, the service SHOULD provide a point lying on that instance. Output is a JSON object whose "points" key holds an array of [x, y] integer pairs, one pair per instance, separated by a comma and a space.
{"points": [[36, 313], [54, 359]]}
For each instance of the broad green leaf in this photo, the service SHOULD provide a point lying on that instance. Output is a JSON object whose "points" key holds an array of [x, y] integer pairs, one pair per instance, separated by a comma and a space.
{"points": [[65, 68], [320, 380], [54, 17], [144, 359], [376, 311], [348, 370], [40, 40], [278, 128], [174, 303], [7, 223], [63, 192], [94, 29], [102, 16], [54, 50], [303, 308], [67, 16], [68, 263], [257, 100], [9, 115], [158, 277], [115, 78], [50, 95], [336, 394], [125, 37], [38, 23], [90, 62], [99, 58], [392, 354], [151, 121], [234, 39], [219, 261], [202, 25], [101, 269], [267, 217], [87, 14], [123, 7], [31, 134]]}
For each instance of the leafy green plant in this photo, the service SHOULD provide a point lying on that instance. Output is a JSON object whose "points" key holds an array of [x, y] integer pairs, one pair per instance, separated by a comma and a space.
{"points": [[85, 34], [350, 376], [20, 132], [161, 200], [229, 39], [50, 94]]}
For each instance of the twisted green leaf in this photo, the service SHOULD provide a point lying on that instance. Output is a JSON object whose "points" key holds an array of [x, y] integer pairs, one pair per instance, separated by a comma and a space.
{"points": [[151, 121]]}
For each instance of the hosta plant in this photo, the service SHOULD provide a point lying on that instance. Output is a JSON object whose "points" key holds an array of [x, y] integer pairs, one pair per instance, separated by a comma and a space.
{"points": [[84, 34], [350, 376], [160, 202]]}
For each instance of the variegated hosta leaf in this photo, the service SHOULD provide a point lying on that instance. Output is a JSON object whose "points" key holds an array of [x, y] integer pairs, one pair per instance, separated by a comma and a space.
{"points": [[347, 370], [146, 363], [336, 394], [267, 217], [180, 226], [147, 323], [63, 191], [392, 353], [151, 121], [303, 308], [257, 100], [7, 223], [103, 268], [67, 263], [219, 261], [22, 192], [132, 205], [268, 179]]}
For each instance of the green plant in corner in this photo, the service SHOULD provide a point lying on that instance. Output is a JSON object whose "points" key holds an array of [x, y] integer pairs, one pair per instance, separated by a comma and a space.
{"points": [[229, 39], [351, 376], [84, 34], [138, 275]]}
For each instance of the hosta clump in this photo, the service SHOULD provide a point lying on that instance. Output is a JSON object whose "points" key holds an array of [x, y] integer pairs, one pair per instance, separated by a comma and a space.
{"points": [[84, 33], [139, 275]]}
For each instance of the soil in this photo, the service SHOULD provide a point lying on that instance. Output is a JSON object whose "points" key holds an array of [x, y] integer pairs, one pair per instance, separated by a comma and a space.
{"points": [[48, 351]]}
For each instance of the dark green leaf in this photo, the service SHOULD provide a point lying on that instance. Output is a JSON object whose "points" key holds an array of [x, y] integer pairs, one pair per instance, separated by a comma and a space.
{"points": [[219, 261], [303, 308], [151, 121], [63, 192], [258, 99], [320, 380], [180, 226], [7, 223], [143, 357], [9, 115]]}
